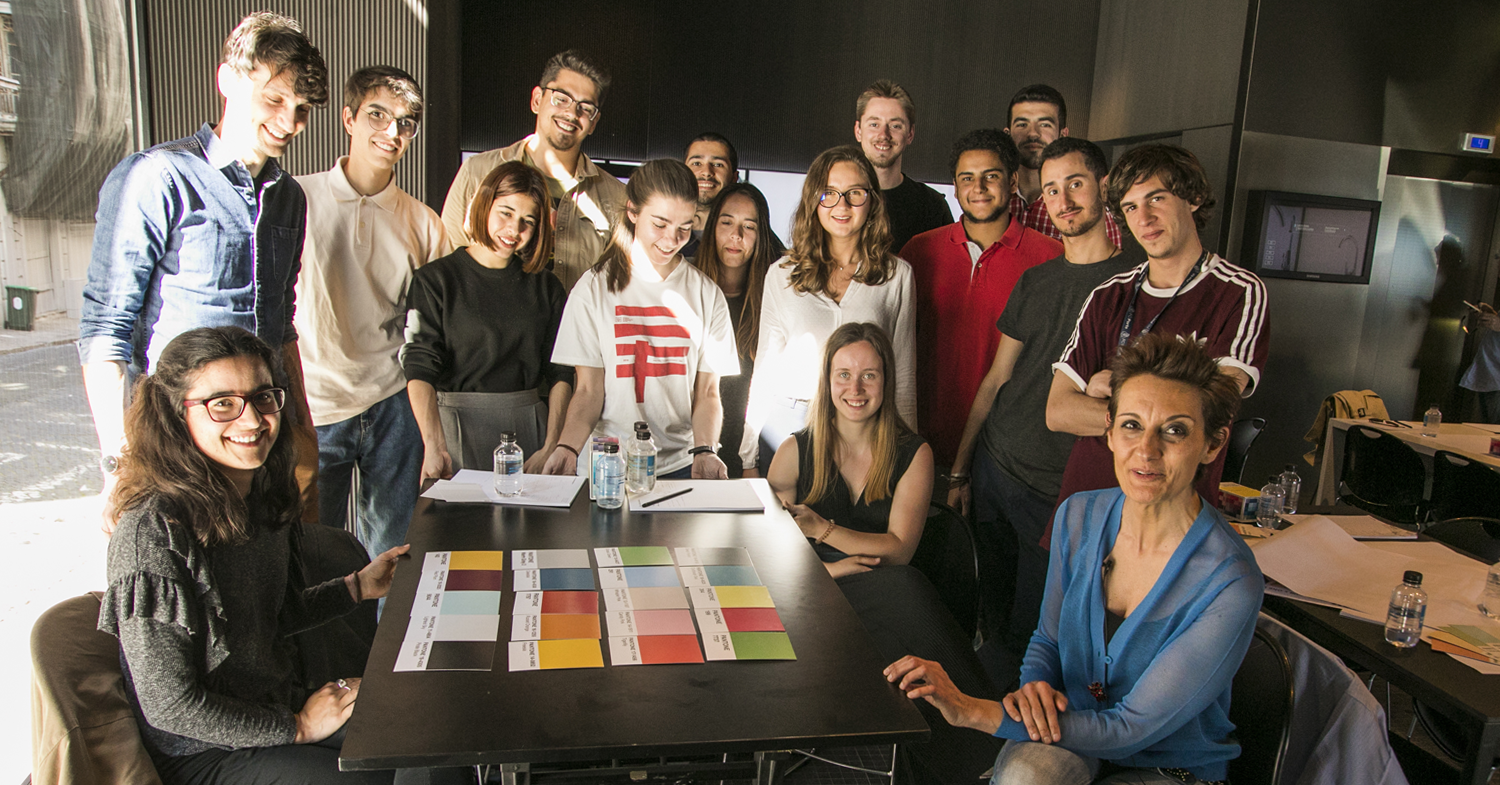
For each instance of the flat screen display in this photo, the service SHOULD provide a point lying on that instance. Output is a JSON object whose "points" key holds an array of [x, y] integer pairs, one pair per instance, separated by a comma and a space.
{"points": [[1319, 238]]}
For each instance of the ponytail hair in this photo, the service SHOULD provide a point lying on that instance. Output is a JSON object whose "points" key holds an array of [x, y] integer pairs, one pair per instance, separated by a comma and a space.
{"points": [[662, 177]]}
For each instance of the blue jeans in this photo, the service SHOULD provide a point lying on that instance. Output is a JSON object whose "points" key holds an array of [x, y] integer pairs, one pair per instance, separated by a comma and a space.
{"points": [[384, 445], [1009, 520]]}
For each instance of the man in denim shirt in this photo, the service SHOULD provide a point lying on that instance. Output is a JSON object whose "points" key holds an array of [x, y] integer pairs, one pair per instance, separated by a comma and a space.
{"points": [[206, 231]]}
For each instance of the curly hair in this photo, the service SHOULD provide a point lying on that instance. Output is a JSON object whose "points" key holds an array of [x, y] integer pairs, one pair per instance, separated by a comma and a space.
{"points": [[808, 259], [1180, 173], [160, 461]]}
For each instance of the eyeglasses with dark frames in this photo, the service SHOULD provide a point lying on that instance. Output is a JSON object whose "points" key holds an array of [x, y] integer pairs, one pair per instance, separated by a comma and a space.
{"points": [[854, 196], [379, 120], [563, 100], [228, 408]]}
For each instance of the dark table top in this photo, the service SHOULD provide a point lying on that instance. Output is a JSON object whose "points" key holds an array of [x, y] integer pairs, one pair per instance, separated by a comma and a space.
{"points": [[833, 693]]}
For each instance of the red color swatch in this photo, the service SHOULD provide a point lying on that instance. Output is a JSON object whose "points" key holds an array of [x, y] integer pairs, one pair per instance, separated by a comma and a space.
{"points": [[570, 602], [665, 649], [752, 620]]}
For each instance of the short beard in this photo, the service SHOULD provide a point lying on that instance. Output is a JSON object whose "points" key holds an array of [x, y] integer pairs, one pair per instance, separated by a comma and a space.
{"points": [[1032, 160], [1099, 216], [706, 200], [998, 214], [553, 138]]}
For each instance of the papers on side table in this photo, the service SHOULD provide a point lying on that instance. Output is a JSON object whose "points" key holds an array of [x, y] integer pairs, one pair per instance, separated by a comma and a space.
{"points": [[1361, 527], [537, 490]]}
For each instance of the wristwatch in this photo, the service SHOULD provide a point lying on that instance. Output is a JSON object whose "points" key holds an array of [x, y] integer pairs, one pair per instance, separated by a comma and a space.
{"points": [[110, 464], [702, 449]]}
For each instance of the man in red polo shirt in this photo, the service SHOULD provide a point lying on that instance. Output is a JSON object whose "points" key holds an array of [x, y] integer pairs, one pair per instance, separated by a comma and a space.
{"points": [[1182, 289], [964, 274]]}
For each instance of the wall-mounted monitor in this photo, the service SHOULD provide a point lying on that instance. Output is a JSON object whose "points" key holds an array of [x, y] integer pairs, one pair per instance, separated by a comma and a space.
{"points": [[1310, 237]]}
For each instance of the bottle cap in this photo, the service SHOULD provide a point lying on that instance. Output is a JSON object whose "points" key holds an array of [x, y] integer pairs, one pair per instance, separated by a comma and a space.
{"points": [[1413, 578], [507, 436], [611, 449], [641, 425], [1291, 467]]}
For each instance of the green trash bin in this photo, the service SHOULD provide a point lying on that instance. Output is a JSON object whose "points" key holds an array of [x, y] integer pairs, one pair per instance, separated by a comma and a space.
{"points": [[20, 308]]}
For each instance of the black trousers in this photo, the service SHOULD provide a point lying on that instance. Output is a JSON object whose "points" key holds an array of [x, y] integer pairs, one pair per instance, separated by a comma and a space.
{"points": [[292, 764], [902, 612]]}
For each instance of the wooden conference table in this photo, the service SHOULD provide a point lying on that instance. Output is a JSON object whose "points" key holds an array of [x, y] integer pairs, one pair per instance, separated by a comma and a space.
{"points": [[1451, 688], [832, 694], [1470, 441]]}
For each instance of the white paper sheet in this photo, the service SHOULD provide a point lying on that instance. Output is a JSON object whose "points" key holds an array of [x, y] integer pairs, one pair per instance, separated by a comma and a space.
{"points": [[537, 490], [1318, 559], [704, 496], [1361, 527]]}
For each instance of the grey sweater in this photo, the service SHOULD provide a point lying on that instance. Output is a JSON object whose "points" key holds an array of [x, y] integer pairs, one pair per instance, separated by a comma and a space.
{"points": [[204, 633]]}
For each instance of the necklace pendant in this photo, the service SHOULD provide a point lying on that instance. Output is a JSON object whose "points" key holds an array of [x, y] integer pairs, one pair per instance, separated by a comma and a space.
{"points": [[1097, 690]]}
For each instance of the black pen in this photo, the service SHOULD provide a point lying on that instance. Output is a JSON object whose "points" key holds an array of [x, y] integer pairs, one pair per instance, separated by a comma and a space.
{"points": [[644, 505]]}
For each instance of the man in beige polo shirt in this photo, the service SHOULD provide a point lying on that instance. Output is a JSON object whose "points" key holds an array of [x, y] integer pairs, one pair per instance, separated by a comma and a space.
{"points": [[586, 199]]}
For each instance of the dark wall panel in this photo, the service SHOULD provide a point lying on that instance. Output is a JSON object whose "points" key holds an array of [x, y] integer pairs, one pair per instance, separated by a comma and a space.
{"points": [[1407, 75], [777, 77]]}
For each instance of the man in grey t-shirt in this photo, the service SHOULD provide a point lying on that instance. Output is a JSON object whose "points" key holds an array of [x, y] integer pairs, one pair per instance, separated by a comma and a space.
{"points": [[1016, 477]]}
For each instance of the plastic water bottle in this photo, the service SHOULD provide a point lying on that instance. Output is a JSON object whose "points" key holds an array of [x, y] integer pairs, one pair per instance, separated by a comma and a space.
{"points": [[1489, 600], [610, 472], [640, 461], [1268, 509], [1403, 623], [590, 469], [1291, 484], [1432, 421], [508, 462]]}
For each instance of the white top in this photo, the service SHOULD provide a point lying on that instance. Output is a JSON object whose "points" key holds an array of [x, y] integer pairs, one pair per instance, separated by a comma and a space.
{"points": [[652, 339], [357, 262], [1484, 374], [795, 326]]}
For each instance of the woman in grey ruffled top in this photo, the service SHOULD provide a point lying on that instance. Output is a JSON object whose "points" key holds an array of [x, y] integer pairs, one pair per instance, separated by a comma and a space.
{"points": [[205, 584]]}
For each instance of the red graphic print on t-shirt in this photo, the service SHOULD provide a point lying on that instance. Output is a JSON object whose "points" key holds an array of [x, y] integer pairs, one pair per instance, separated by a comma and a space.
{"points": [[660, 345]]}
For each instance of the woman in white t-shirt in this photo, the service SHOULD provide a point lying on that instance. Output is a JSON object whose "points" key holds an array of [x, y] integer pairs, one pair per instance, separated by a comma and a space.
{"points": [[648, 335], [840, 270]]}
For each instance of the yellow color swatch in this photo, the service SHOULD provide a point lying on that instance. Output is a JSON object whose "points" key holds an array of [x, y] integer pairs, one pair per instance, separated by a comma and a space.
{"points": [[477, 560], [744, 597], [570, 654]]}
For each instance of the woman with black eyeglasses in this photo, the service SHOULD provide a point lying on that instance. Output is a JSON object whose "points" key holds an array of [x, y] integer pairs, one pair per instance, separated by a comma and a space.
{"points": [[840, 270], [205, 584]]}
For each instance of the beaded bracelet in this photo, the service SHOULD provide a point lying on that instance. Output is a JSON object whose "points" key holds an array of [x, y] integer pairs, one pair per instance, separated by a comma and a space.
{"points": [[825, 533]]}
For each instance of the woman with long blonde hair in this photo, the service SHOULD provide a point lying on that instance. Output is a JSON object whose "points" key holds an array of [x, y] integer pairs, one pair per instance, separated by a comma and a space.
{"points": [[840, 270]]}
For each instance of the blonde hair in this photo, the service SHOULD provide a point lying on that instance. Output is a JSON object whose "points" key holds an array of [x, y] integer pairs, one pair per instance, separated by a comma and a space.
{"points": [[808, 259], [822, 425]]}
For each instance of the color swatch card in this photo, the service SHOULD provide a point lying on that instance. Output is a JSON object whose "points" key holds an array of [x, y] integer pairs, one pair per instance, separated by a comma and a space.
{"points": [[651, 623], [438, 567], [556, 602], [654, 650], [553, 626], [720, 575], [455, 616], [688, 557], [730, 597], [637, 577], [654, 599], [747, 646], [452, 642], [712, 620], [640, 556], [553, 655], [566, 579], [577, 558]]}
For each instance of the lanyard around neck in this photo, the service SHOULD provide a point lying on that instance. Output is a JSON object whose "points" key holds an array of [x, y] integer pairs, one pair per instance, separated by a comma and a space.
{"points": [[1129, 320]]}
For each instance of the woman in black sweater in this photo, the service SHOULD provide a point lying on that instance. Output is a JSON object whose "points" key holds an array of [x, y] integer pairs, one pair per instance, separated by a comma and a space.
{"points": [[480, 331]]}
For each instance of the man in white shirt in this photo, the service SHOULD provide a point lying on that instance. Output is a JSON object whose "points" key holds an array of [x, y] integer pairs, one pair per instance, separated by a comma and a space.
{"points": [[365, 237], [586, 200]]}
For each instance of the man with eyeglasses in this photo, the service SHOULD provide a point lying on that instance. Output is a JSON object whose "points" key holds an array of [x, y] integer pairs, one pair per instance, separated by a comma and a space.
{"points": [[206, 231], [964, 274], [586, 199], [885, 125], [365, 238]]}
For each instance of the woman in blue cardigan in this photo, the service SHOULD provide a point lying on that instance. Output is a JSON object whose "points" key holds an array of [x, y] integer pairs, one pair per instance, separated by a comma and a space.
{"points": [[1150, 603]]}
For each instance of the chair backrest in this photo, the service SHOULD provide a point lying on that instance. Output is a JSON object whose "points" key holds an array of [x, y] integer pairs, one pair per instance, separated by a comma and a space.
{"points": [[1478, 537], [1260, 706], [947, 556], [1463, 488], [1241, 435], [337, 648], [1384, 476]]}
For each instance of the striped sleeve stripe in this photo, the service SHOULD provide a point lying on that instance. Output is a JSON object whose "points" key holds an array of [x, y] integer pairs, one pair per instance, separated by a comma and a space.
{"points": [[1252, 314], [1124, 277]]}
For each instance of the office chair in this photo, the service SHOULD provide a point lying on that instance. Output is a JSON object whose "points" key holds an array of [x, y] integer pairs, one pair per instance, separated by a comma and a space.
{"points": [[1383, 476], [1241, 435], [948, 557], [1260, 706], [1463, 488]]}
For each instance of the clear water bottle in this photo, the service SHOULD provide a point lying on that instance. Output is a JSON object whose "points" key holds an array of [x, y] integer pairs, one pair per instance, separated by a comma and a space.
{"points": [[508, 461], [588, 467], [1432, 421], [1489, 599], [610, 471], [1268, 508], [1403, 623], [1291, 484], [640, 461]]}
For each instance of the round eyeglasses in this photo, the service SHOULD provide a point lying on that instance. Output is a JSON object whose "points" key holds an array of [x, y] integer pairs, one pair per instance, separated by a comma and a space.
{"points": [[406, 127], [228, 408], [854, 196]]}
